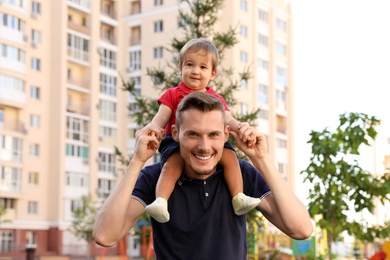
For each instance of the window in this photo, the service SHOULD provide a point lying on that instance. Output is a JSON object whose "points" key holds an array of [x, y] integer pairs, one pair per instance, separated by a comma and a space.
{"points": [[281, 25], [244, 5], [137, 86], [7, 203], [32, 207], [108, 84], [281, 76], [105, 187], [35, 92], [158, 26], [281, 143], [280, 48], [77, 129], [34, 149], [10, 179], [263, 16], [264, 114], [76, 179], [1, 122], [76, 151], [33, 178], [158, 52], [36, 7], [107, 162], [75, 205], [108, 59], [6, 241], [17, 149], [11, 84], [108, 110], [244, 83], [262, 64], [282, 168], [262, 40], [244, 57], [35, 121], [135, 60], [36, 64], [78, 47], [12, 53], [244, 31], [158, 2], [262, 96], [36, 36], [244, 108], [107, 131], [31, 239]]}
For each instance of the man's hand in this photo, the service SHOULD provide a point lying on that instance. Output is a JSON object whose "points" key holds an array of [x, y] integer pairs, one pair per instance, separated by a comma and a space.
{"points": [[147, 141], [256, 149]]}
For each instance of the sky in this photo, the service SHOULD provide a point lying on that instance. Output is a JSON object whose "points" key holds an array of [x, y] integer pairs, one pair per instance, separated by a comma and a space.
{"points": [[341, 64]]}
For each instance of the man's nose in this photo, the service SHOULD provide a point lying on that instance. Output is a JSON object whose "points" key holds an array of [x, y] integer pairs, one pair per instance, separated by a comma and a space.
{"points": [[204, 143]]}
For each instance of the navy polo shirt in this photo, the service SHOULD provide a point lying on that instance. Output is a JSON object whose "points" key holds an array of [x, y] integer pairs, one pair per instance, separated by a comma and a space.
{"points": [[202, 222]]}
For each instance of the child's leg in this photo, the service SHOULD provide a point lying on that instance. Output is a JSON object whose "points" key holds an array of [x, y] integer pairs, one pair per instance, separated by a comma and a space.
{"points": [[170, 173], [233, 177], [232, 172]]}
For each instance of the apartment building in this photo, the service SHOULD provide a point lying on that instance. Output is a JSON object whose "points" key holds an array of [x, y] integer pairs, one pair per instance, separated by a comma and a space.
{"points": [[62, 110]]}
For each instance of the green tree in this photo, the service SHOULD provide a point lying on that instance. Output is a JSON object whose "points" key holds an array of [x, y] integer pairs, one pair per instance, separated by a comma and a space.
{"points": [[340, 187], [3, 212], [84, 220]]}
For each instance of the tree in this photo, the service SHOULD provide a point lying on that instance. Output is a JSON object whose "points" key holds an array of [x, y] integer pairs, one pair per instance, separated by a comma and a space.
{"points": [[341, 188], [3, 212], [84, 220]]}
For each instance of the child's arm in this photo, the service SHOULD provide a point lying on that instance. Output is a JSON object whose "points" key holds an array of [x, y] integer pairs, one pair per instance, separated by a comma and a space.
{"points": [[162, 117]]}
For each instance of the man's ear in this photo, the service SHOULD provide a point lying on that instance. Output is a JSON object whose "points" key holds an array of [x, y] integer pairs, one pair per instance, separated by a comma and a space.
{"points": [[175, 133], [227, 132]]}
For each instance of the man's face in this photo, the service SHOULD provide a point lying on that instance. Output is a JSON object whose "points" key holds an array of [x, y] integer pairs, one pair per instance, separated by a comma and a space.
{"points": [[201, 137]]}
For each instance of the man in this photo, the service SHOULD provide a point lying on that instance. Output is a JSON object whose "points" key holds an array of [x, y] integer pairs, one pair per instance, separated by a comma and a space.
{"points": [[202, 224]]}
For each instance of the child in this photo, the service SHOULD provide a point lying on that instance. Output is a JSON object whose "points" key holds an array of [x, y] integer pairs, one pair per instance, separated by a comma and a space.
{"points": [[198, 65]]}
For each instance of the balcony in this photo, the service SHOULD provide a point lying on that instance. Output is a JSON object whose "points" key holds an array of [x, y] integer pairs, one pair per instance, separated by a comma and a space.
{"points": [[83, 5], [78, 28], [79, 85], [13, 126], [78, 55], [12, 97]]}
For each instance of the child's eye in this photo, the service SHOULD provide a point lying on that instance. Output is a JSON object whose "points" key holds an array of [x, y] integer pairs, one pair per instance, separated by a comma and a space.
{"points": [[203, 67]]}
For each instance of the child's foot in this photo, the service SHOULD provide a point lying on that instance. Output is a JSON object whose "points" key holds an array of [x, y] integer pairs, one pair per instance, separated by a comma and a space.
{"points": [[243, 204], [158, 210]]}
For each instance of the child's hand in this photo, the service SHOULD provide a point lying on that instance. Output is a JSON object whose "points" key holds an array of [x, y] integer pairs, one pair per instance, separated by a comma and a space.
{"points": [[154, 131], [247, 134]]}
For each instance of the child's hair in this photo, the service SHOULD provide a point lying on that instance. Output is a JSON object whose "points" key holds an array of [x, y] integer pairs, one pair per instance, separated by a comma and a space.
{"points": [[200, 101], [197, 44]]}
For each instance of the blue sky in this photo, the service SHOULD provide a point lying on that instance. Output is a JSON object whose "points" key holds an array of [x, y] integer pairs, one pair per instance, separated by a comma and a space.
{"points": [[341, 64]]}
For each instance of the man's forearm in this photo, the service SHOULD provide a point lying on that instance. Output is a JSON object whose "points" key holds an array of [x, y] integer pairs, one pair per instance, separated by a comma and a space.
{"points": [[292, 213], [114, 219]]}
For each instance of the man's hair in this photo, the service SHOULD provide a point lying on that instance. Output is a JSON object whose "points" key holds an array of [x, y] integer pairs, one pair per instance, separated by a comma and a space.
{"points": [[197, 44], [199, 101]]}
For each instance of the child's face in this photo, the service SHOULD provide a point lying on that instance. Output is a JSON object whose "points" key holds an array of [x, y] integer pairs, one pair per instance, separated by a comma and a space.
{"points": [[197, 70]]}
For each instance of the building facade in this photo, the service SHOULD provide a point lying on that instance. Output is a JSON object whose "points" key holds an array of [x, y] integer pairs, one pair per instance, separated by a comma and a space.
{"points": [[62, 110]]}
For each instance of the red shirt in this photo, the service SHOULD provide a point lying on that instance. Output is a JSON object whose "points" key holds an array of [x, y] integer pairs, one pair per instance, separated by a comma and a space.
{"points": [[173, 96]]}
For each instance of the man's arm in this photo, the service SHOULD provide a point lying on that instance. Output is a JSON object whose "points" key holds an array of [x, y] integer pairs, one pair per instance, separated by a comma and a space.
{"points": [[120, 212], [282, 208]]}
